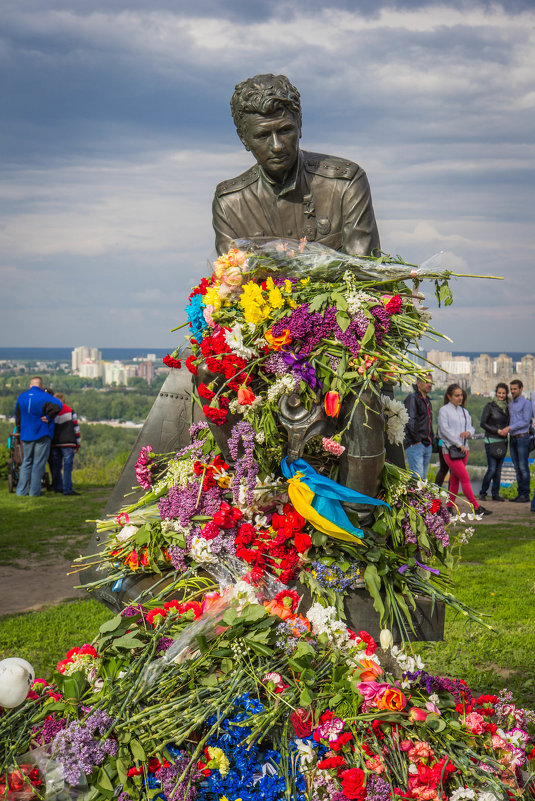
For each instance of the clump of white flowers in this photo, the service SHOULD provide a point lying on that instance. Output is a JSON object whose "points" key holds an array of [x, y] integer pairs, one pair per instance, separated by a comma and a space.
{"points": [[396, 419], [325, 620], [282, 386]]}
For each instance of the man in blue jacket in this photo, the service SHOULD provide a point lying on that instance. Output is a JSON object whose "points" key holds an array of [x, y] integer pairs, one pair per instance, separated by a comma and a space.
{"points": [[34, 412]]}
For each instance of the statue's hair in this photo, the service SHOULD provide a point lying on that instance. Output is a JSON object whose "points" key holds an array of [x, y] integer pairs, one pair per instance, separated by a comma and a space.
{"points": [[264, 94]]}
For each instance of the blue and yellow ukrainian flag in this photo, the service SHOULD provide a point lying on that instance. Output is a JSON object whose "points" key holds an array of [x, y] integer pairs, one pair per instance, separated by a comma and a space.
{"points": [[318, 499]]}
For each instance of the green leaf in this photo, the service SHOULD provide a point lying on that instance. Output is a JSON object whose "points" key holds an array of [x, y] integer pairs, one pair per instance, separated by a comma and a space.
{"points": [[113, 624], [339, 300], [252, 613], [122, 770], [343, 320], [227, 665], [128, 641], [209, 681], [303, 649], [319, 301], [259, 648], [305, 699], [103, 780], [373, 585], [229, 617], [74, 685], [137, 750], [368, 335]]}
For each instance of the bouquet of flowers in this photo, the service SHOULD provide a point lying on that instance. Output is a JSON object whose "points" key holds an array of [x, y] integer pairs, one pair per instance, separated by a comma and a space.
{"points": [[273, 322]]}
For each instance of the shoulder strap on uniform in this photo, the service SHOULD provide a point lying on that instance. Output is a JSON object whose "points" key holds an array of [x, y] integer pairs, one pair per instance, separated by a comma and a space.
{"points": [[329, 166], [234, 184]]}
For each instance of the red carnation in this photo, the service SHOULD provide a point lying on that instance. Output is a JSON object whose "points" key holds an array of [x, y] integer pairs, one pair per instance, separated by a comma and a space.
{"points": [[371, 645], [435, 506], [217, 416], [331, 763], [190, 364], [205, 392], [170, 361], [302, 541], [393, 305]]}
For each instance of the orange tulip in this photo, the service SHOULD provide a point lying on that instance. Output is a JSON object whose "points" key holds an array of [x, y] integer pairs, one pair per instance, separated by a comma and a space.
{"points": [[332, 404], [277, 343], [370, 670], [392, 699]]}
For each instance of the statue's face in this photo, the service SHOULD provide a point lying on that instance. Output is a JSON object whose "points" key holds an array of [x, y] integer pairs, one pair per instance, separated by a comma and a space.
{"points": [[274, 142]]}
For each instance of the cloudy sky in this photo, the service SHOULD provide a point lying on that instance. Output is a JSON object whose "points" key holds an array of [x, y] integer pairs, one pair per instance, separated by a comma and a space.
{"points": [[117, 128]]}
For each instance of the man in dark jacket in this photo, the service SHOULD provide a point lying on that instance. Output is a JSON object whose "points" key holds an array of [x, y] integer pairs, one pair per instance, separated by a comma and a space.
{"points": [[65, 443], [419, 430], [35, 411]]}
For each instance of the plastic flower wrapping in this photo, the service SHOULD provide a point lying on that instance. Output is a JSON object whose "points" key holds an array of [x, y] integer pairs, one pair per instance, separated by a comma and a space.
{"points": [[240, 674]]}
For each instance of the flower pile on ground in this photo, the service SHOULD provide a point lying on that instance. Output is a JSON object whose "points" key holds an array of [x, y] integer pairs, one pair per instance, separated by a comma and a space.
{"points": [[240, 695]]}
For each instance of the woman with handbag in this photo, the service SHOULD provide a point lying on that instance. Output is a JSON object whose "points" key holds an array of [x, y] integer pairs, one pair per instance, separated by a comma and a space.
{"points": [[494, 419], [455, 429]]}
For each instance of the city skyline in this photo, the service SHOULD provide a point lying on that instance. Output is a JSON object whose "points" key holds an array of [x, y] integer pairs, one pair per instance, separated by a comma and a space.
{"points": [[118, 128]]}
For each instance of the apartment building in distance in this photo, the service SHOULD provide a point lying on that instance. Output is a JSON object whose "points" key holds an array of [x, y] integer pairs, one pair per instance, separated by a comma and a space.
{"points": [[88, 363], [481, 374]]}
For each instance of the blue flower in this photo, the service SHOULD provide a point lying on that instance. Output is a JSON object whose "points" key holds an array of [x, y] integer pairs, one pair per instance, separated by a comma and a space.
{"points": [[196, 320]]}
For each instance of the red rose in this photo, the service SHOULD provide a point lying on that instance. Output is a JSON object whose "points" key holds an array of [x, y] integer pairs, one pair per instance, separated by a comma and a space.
{"points": [[246, 396], [301, 720], [353, 783], [435, 506]]}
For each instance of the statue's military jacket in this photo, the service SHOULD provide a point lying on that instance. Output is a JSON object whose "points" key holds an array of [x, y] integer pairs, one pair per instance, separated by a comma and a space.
{"points": [[325, 199]]}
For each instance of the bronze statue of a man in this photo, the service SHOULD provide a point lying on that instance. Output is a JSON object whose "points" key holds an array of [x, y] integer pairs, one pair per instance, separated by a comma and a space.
{"points": [[290, 193]]}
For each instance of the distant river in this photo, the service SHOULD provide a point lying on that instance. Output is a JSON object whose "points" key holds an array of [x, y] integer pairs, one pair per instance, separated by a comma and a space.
{"points": [[64, 354]]}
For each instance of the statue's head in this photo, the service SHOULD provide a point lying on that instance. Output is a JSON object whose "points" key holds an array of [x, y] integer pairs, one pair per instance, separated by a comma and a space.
{"points": [[267, 113]]}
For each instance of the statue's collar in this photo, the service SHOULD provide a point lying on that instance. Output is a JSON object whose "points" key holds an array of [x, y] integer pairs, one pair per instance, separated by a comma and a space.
{"points": [[291, 179]]}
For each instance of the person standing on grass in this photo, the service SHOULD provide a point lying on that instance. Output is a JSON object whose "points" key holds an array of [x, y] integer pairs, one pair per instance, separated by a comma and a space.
{"points": [[419, 430], [35, 411], [494, 419], [65, 443], [520, 413], [455, 428]]}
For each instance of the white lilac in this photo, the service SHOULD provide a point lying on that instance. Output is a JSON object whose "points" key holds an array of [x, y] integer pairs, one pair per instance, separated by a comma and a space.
{"points": [[324, 620], [282, 386]]}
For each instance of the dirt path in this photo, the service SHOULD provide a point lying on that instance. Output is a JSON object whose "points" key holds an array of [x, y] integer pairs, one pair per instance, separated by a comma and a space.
{"points": [[41, 584]]}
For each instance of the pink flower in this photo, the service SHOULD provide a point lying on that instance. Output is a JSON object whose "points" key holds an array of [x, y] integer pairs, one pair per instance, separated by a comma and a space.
{"points": [[420, 750], [331, 446], [207, 313], [329, 730], [431, 707], [417, 713], [475, 723], [375, 764], [276, 679]]}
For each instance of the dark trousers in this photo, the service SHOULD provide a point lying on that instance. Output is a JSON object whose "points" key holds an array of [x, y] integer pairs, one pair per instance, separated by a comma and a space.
{"points": [[519, 448], [62, 462], [494, 473]]}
